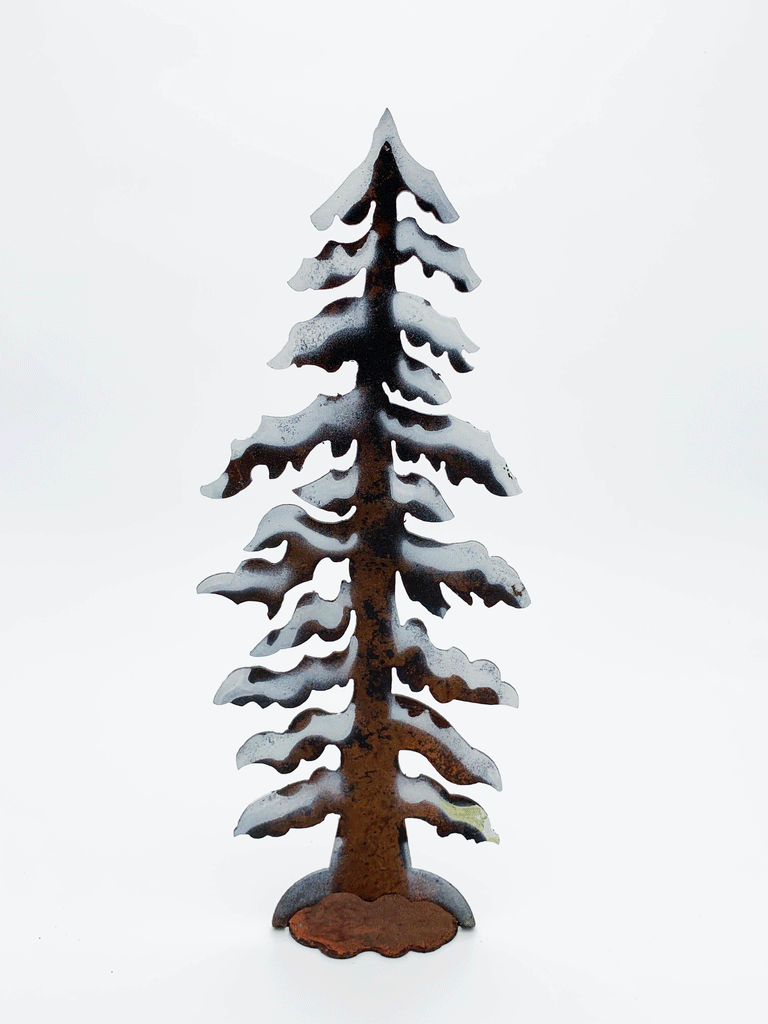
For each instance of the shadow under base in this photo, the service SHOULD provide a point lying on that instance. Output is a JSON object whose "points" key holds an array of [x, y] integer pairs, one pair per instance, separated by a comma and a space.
{"points": [[342, 925]]}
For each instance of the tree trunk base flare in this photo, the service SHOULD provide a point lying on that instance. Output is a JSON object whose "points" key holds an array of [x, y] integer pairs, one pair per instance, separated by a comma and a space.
{"points": [[342, 925]]}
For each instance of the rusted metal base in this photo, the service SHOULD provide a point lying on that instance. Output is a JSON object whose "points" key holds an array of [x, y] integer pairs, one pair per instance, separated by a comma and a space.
{"points": [[342, 925]]}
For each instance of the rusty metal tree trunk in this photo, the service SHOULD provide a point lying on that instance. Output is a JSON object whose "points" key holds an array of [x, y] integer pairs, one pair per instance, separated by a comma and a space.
{"points": [[371, 861]]}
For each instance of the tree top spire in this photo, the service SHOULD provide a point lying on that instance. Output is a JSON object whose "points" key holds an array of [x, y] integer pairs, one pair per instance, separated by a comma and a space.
{"points": [[352, 200]]}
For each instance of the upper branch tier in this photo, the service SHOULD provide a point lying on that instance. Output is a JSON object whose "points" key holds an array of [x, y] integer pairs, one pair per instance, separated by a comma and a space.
{"points": [[339, 262], [353, 199], [344, 330]]}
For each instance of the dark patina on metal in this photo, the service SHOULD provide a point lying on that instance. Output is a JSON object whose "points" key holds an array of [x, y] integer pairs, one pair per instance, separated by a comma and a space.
{"points": [[368, 791]]}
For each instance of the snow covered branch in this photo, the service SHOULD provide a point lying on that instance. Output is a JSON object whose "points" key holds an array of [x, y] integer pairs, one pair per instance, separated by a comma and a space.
{"points": [[465, 451], [291, 688], [423, 325], [333, 492], [449, 675], [329, 339], [337, 263], [352, 200], [257, 579], [313, 616], [466, 568], [304, 740], [283, 439], [426, 732], [414, 379], [300, 805], [419, 497], [449, 813], [435, 254]]}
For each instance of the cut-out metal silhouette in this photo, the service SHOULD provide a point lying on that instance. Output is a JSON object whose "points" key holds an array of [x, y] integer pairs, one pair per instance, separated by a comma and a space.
{"points": [[371, 499]]}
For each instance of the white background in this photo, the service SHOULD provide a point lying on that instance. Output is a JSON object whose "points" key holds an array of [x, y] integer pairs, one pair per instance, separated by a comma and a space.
{"points": [[161, 160]]}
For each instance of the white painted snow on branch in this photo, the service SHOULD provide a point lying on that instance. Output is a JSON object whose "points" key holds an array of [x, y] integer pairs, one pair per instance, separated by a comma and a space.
{"points": [[307, 544], [338, 267], [301, 427], [465, 567], [417, 179], [435, 254], [289, 688], [449, 813], [277, 812], [325, 726], [413, 379], [283, 439], [257, 580], [419, 496], [313, 616], [465, 450], [424, 325], [310, 341], [287, 522], [473, 760], [476, 675], [333, 492]]}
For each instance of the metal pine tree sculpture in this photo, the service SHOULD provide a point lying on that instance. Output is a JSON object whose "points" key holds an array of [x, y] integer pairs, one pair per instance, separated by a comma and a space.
{"points": [[370, 897]]}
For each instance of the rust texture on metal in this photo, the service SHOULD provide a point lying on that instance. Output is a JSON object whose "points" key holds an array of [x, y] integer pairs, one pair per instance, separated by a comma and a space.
{"points": [[342, 925], [369, 792]]}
